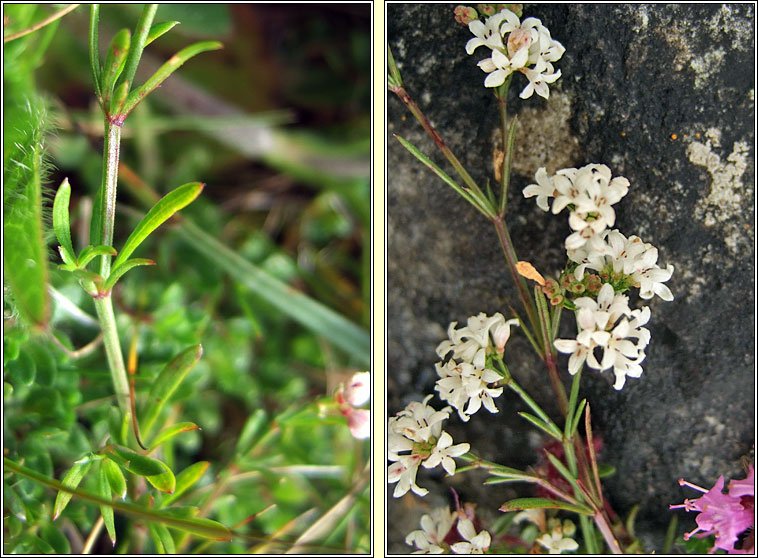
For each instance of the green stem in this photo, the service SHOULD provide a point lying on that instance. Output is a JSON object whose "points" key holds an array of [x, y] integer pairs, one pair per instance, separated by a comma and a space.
{"points": [[502, 100], [104, 307], [111, 150]]}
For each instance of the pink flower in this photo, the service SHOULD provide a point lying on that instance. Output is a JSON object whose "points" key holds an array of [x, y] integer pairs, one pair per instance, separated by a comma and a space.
{"points": [[725, 515], [359, 423]]}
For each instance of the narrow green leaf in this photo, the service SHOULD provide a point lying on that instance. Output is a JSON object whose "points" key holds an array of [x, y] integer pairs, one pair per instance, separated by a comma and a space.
{"points": [[171, 431], [118, 99], [91, 252], [141, 33], [250, 432], [503, 471], [115, 477], [156, 539], [394, 80], [167, 381], [201, 527], [541, 503], [183, 512], [165, 537], [668, 542], [160, 213], [605, 470], [117, 272], [313, 315], [563, 471], [577, 417], [159, 29], [72, 479], [94, 55], [464, 193], [104, 491], [61, 223], [186, 479], [156, 472], [541, 425], [114, 62], [166, 70], [134, 462]]}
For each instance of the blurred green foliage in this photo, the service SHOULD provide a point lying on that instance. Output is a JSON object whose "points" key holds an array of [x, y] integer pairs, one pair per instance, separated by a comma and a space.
{"points": [[301, 216]]}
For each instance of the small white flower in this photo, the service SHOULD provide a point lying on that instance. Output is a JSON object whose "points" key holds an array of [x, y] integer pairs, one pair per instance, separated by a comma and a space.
{"points": [[464, 385], [444, 452], [403, 472], [434, 528], [415, 436], [538, 80], [544, 189], [608, 325], [499, 66], [556, 543], [487, 33], [358, 391], [470, 342], [476, 543]]}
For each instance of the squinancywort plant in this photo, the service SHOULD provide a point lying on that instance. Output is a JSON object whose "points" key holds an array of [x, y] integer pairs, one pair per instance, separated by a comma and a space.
{"points": [[602, 265], [117, 96]]}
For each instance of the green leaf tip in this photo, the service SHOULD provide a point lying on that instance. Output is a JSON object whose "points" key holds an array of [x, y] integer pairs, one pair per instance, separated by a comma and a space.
{"points": [[163, 210], [61, 223]]}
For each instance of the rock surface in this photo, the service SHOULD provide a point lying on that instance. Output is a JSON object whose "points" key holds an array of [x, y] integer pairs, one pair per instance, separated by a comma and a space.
{"points": [[662, 94]]}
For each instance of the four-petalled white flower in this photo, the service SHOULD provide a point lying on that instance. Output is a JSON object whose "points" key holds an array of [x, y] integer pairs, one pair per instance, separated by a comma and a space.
{"points": [[516, 46]]}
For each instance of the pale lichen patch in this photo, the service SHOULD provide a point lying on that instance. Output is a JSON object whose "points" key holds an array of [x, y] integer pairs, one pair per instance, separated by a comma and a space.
{"points": [[728, 195], [707, 66]]}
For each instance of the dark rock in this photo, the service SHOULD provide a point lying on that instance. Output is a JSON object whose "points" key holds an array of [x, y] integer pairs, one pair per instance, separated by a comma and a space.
{"points": [[662, 94]]}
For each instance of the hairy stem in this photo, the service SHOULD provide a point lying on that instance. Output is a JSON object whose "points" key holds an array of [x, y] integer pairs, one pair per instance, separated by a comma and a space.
{"points": [[111, 150]]}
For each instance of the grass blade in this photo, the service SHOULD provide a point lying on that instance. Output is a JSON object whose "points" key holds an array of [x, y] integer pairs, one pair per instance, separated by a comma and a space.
{"points": [[161, 212], [201, 527], [344, 334], [156, 472], [167, 382]]}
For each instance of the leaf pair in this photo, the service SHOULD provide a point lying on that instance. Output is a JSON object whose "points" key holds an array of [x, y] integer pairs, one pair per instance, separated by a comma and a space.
{"points": [[94, 283], [113, 81]]}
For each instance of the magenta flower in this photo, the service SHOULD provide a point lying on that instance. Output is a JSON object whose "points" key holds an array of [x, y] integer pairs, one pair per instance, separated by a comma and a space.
{"points": [[725, 515]]}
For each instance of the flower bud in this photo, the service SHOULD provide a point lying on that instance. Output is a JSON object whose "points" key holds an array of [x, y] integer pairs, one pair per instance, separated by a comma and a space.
{"points": [[359, 423], [486, 9], [465, 14]]}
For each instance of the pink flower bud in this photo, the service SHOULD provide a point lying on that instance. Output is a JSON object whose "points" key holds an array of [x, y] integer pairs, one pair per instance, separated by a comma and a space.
{"points": [[359, 422]]}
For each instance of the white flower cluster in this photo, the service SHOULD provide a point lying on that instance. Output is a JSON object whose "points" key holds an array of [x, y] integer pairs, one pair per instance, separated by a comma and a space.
{"points": [[629, 256], [591, 192], [516, 46], [416, 438], [435, 527], [609, 325], [465, 384]]}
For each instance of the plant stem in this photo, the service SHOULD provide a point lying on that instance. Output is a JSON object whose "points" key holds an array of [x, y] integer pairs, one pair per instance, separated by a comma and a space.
{"points": [[104, 307], [510, 256], [41, 24], [607, 533], [424, 121], [111, 150]]}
